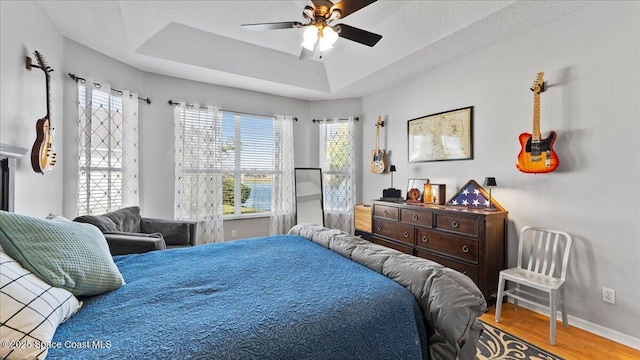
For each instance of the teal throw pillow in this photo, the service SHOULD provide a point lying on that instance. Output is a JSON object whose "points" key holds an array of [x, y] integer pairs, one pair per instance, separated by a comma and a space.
{"points": [[69, 255]]}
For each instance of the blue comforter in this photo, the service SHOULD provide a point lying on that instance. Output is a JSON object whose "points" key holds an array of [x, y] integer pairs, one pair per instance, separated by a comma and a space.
{"points": [[281, 297]]}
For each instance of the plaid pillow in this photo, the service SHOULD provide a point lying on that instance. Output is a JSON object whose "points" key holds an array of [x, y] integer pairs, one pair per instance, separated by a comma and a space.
{"points": [[65, 254], [31, 311]]}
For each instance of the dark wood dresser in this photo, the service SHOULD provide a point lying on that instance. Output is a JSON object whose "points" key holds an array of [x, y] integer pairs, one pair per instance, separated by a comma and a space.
{"points": [[472, 241]]}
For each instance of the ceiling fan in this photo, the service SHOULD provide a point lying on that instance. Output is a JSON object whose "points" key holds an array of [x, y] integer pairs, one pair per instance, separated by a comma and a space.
{"points": [[321, 33]]}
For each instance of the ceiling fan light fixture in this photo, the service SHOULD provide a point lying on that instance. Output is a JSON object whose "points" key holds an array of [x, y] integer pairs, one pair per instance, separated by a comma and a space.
{"points": [[310, 37], [328, 38], [335, 14]]}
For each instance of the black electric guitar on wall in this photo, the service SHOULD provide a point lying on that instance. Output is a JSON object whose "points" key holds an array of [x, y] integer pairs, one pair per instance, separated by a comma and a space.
{"points": [[43, 157]]}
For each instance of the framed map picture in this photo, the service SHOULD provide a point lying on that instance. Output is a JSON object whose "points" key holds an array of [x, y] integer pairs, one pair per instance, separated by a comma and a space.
{"points": [[442, 136]]}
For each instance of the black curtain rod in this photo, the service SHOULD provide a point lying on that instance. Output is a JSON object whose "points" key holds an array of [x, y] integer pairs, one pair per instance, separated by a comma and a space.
{"points": [[83, 81], [171, 102], [328, 120]]}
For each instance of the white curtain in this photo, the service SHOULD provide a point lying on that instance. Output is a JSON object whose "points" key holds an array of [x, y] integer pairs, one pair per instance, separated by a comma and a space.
{"points": [[198, 182], [107, 148], [130, 191], [337, 160], [283, 206]]}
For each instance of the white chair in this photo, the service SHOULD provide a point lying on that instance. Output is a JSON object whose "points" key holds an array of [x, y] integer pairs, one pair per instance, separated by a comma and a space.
{"points": [[543, 255]]}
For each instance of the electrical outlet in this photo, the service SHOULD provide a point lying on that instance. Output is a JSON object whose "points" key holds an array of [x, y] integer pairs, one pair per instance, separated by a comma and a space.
{"points": [[233, 235], [608, 295]]}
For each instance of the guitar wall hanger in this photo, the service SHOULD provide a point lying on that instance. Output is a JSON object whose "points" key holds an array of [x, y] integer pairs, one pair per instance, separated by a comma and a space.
{"points": [[43, 157], [44, 67], [543, 87]]}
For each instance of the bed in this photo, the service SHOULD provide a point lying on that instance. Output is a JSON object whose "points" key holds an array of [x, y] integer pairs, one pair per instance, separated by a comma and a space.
{"points": [[315, 293]]}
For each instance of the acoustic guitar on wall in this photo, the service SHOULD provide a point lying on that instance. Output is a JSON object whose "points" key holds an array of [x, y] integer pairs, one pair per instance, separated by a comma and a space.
{"points": [[536, 154], [43, 157], [377, 162]]}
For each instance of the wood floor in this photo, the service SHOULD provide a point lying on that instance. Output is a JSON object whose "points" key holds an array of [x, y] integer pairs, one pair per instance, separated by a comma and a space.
{"points": [[571, 343]]}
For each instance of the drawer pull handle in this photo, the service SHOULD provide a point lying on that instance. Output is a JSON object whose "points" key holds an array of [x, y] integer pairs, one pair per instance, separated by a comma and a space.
{"points": [[386, 212], [425, 239], [406, 234], [415, 217], [379, 227], [465, 249], [455, 224]]}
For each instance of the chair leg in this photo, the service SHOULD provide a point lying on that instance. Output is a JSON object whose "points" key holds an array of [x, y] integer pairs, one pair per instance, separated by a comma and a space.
{"points": [[552, 316], [499, 297], [563, 308], [515, 300]]}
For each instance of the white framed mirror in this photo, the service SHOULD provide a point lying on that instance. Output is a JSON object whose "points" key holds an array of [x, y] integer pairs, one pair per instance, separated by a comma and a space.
{"points": [[309, 196]]}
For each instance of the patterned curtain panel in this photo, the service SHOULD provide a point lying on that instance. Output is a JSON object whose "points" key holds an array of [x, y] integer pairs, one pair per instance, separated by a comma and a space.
{"points": [[198, 183], [337, 160], [283, 205], [130, 192], [107, 148]]}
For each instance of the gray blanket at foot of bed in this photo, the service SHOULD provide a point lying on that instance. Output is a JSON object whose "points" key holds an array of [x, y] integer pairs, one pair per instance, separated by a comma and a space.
{"points": [[450, 301]]}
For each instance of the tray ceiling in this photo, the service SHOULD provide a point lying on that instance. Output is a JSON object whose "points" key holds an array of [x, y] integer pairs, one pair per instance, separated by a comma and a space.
{"points": [[203, 40]]}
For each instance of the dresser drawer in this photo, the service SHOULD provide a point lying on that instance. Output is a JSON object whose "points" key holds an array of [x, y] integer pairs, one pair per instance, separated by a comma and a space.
{"points": [[387, 212], [416, 217], [458, 224], [461, 248], [394, 230], [404, 248], [469, 270]]}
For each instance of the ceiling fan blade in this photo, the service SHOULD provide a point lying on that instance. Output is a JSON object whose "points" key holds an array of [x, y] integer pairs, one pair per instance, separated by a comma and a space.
{"points": [[350, 6], [272, 26], [358, 35]]}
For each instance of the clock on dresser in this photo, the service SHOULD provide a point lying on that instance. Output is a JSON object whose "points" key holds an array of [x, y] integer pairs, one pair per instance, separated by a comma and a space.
{"points": [[470, 240]]}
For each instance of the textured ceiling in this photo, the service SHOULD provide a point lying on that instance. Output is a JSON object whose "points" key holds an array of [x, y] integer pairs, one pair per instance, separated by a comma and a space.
{"points": [[203, 40]]}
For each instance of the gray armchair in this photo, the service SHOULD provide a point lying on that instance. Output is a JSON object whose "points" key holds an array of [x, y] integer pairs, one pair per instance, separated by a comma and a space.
{"points": [[127, 232]]}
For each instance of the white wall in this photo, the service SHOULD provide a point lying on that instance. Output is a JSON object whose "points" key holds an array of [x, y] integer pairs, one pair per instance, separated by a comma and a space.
{"points": [[591, 63], [26, 28]]}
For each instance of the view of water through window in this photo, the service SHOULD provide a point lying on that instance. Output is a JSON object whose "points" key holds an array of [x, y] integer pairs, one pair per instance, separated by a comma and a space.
{"points": [[260, 197], [248, 145]]}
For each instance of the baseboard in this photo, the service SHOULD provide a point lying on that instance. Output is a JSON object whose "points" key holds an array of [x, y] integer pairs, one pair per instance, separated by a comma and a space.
{"points": [[585, 325]]}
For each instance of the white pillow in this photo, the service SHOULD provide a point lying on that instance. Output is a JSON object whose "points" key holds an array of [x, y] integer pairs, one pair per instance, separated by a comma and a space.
{"points": [[31, 311]]}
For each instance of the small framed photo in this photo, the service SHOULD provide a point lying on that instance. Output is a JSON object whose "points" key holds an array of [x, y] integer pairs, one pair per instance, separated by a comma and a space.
{"points": [[417, 184], [434, 193]]}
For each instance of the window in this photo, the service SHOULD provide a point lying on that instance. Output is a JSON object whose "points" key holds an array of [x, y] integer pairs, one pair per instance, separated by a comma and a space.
{"points": [[241, 152], [228, 164], [337, 159], [248, 147], [107, 156]]}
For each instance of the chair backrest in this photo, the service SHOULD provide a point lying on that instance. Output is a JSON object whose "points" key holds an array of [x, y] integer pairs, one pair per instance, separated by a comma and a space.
{"points": [[544, 250]]}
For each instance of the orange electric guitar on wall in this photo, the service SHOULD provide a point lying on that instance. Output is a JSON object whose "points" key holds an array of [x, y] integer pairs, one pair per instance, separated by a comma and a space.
{"points": [[537, 154], [43, 157]]}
